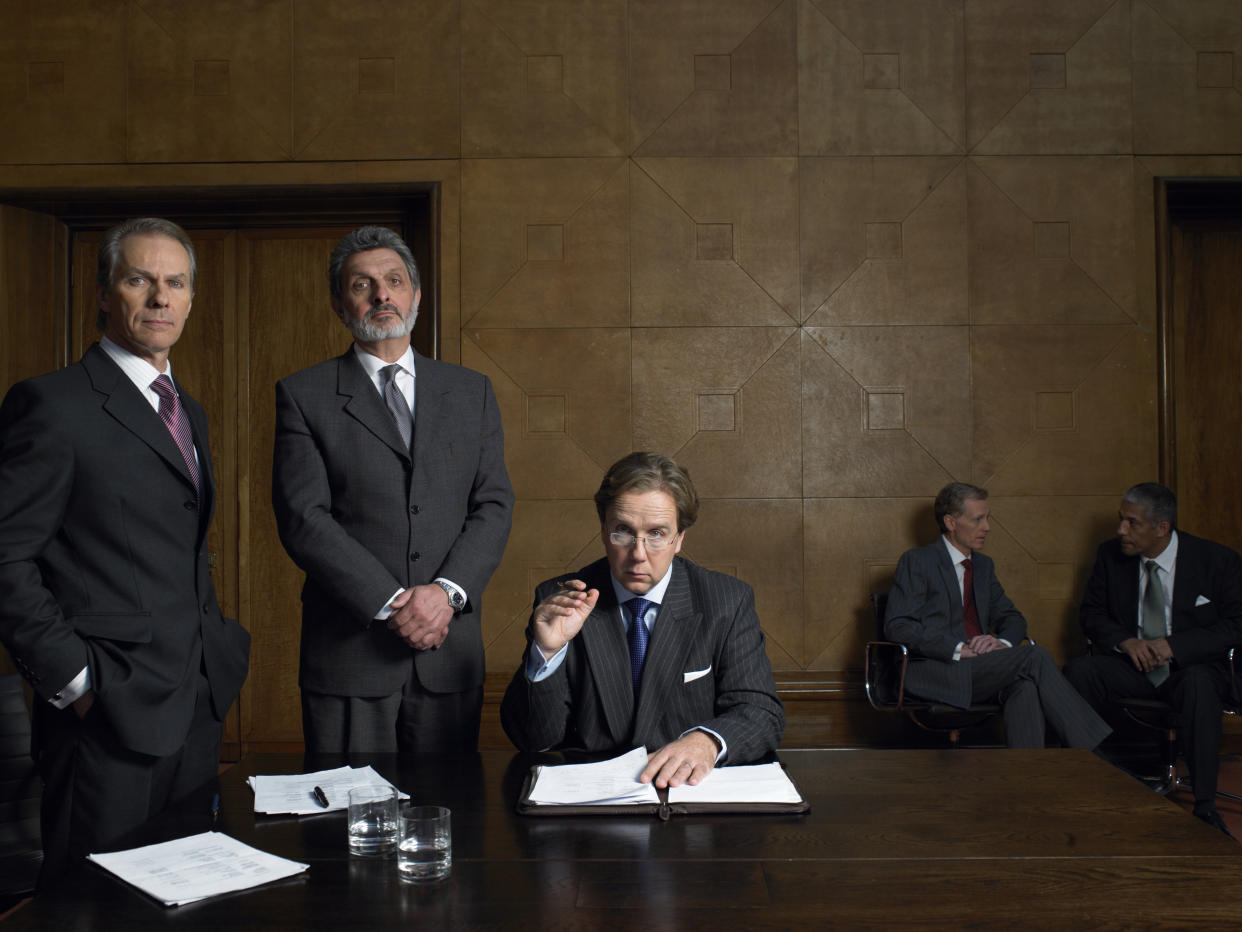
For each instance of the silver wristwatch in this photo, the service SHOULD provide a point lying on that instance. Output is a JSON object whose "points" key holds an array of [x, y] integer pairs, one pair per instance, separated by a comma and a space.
{"points": [[456, 600]]}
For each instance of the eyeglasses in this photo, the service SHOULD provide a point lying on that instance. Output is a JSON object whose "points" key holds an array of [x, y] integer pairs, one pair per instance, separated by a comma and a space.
{"points": [[626, 539]]}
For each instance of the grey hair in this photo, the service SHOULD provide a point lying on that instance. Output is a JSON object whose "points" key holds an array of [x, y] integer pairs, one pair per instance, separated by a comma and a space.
{"points": [[364, 239], [114, 240], [952, 500], [1156, 500]]}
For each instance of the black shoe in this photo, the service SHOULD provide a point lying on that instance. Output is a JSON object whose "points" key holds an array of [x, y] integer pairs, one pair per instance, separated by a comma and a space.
{"points": [[1209, 815]]}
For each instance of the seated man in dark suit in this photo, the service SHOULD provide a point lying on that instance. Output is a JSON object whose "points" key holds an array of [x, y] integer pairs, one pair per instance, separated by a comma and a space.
{"points": [[1162, 609], [948, 607], [644, 647]]}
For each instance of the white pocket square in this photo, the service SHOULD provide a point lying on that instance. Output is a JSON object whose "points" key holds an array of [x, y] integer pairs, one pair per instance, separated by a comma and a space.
{"points": [[1202, 600], [692, 675]]}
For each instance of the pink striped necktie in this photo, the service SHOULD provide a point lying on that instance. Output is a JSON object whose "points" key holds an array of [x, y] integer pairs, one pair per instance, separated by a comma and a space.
{"points": [[178, 424]]}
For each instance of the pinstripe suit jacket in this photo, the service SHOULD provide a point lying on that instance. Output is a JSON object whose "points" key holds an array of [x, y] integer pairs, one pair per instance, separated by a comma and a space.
{"points": [[925, 613], [363, 518], [707, 622]]}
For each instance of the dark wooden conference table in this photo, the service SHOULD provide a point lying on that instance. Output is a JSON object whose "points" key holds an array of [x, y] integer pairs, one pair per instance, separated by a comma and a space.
{"points": [[918, 839]]}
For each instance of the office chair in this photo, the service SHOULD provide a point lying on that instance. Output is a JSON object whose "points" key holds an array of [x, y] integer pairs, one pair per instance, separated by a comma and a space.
{"points": [[21, 845], [885, 686], [1160, 716]]}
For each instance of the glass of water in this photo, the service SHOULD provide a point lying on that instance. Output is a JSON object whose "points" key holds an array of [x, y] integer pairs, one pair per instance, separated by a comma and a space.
{"points": [[425, 847], [372, 820]]}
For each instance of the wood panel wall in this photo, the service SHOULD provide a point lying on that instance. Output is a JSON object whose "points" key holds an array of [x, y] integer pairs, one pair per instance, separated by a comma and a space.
{"points": [[830, 255]]}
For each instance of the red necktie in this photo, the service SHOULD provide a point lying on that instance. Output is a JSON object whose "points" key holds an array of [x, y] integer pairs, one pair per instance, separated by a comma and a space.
{"points": [[177, 423], [970, 616]]}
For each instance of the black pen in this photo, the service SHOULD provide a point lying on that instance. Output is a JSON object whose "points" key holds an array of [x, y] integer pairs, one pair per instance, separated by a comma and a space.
{"points": [[215, 809], [321, 797]]}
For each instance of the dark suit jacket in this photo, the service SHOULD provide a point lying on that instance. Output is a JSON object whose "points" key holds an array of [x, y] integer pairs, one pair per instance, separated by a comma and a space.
{"points": [[707, 622], [363, 519], [1203, 633], [925, 613], [102, 553]]}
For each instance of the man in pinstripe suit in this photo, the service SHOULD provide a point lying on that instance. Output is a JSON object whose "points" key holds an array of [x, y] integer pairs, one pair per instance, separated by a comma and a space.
{"points": [[698, 691], [966, 637]]}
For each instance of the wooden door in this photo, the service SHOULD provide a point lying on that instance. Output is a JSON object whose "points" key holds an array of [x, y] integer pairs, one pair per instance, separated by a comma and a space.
{"points": [[1206, 338]]}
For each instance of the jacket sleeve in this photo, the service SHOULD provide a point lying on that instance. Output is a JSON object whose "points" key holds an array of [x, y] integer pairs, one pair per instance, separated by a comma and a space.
{"points": [[909, 602], [1204, 633], [1006, 621], [1101, 620]]}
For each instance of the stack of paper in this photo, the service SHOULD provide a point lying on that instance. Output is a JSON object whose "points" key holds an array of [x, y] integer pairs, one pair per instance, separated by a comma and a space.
{"points": [[754, 783], [608, 782], [295, 794], [188, 869]]}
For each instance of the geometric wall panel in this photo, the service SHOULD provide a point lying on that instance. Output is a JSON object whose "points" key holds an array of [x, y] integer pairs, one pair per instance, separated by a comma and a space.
{"points": [[714, 242], [753, 368], [885, 410], [883, 240], [344, 105], [1062, 409], [62, 82], [759, 541], [544, 242], [1047, 242], [545, 78], [1187, 86], [563, 397], [713, 77], [879, 78], [207, 81], [1037, 74]]}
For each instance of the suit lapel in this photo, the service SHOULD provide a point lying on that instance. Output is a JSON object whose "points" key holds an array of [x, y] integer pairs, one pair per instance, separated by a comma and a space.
{"points": [[676, 627], [608, 656], [429, 410], [980, 587], [1188, 566], [363, 402], [127, 406], [948, 578]]}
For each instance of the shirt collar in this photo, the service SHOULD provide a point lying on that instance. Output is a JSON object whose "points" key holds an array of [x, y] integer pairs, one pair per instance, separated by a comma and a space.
{"points": [[655, 595], [1168, 556], [955, 556], [372, 364], [139, 371]]}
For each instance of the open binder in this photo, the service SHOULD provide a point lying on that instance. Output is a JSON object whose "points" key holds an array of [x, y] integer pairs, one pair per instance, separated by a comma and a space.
{"points": [[757, 789]]}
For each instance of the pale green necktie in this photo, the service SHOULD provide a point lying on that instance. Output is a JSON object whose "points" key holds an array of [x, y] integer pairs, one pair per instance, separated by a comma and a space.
{"points": [[1154, 625]]}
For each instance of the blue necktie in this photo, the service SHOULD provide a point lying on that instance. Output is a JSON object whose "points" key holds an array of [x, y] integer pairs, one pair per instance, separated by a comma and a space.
{"points": [[637, 637]]}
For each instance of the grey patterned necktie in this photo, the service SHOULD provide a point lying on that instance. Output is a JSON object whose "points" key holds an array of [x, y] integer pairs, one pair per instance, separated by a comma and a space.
{"points": [[395, 401], [1154, 625]]}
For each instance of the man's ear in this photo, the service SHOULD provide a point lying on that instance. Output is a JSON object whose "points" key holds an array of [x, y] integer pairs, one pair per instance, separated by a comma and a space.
{"points": [[338, 309], [418, 296]]}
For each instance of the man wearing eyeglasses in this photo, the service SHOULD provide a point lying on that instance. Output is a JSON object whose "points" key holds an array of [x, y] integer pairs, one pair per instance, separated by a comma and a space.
{"points": [[643, 647]]}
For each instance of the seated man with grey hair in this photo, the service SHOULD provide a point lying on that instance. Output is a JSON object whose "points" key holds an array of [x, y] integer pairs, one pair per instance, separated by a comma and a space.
{"points": [[1162, 609], [949, 608], [643, 647]]}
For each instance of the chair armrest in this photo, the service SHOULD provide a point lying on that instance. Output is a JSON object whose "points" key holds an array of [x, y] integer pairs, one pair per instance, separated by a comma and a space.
{"points": [[886, 671]]}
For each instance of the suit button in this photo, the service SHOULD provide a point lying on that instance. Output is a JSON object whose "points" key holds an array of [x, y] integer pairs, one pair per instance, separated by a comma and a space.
{"points": [[413, 509], [206, 609], [189, 506], [415, 555]]}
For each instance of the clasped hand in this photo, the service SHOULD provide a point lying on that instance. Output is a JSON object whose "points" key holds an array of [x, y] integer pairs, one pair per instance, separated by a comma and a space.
{"points": [[420, 616], [1146, 654], [982, 644]]}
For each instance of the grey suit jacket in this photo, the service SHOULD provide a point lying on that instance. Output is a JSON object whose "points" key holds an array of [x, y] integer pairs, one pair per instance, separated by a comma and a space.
{"points": [[925, 613], [707, 622], [103, 554], [363, 518]]}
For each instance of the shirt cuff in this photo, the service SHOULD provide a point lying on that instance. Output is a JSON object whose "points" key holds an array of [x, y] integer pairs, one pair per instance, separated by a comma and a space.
{"points": [[383, 613], [78, 687], [538, 669], [957, 651], [724, 748]]}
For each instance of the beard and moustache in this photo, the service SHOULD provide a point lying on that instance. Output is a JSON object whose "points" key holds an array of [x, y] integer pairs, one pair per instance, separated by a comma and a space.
{"points": [[368, 331]]}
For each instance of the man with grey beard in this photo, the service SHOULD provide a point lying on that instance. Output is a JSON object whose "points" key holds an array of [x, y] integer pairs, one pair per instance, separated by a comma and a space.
{"points": [[391, 494]]}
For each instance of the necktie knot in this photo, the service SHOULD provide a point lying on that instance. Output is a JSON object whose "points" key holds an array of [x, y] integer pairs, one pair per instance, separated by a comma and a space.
{"points": [[637, 637]]}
